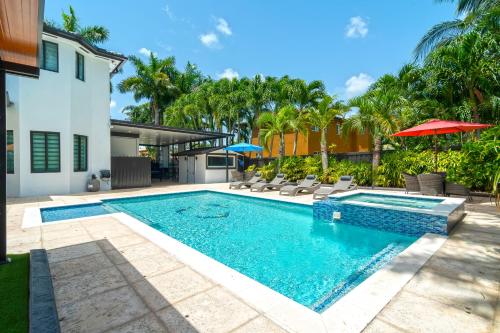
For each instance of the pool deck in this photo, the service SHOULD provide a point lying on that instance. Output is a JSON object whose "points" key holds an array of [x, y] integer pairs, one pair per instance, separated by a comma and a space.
{"points": [[107, 278]]}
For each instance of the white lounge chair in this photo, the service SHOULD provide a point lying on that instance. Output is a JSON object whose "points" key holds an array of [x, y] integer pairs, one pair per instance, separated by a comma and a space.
{"points": [[255, 179]]}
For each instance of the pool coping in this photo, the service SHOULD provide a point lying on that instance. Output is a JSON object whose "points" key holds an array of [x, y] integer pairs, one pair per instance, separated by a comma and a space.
{"points": [[351, 313], [445, 208]]}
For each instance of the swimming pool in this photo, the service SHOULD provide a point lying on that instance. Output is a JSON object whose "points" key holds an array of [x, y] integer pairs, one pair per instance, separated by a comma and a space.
{"points": [[393, 200], [276, 243]]}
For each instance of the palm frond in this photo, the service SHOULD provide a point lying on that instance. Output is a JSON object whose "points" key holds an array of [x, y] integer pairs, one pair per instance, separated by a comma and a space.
{"points": [[439, 34]]}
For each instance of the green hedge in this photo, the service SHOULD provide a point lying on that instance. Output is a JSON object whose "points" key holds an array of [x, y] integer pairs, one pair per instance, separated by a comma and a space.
{"points": [[474, 166]]}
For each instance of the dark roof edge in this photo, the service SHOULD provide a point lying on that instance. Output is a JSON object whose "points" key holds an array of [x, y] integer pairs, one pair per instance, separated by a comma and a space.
{"points": [[94, 49], [212, 135], [199, 151]]}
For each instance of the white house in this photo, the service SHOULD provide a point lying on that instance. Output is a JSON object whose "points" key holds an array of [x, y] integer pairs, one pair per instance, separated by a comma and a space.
{"points": [[59, 131], [58, 127]]}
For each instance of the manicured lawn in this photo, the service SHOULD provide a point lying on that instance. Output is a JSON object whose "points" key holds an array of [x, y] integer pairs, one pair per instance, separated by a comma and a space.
{"points": [[14, 293]]}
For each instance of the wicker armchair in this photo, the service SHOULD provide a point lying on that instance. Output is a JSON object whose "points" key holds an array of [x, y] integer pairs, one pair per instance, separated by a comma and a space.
{"points": [[411, 183], [457, 189], [431, 184]]}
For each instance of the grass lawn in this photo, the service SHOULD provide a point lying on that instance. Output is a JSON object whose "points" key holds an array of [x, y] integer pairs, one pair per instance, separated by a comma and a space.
{"points": [[14, 294]]}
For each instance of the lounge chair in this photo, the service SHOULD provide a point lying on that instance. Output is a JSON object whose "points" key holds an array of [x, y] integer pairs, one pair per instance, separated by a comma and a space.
{"points": [[431, 183], [345, 183], [309, 184], [247, 183], [276, 184], [411, 183]]}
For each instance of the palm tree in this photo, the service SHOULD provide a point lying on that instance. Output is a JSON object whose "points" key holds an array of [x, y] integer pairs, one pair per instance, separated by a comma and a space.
{"points": [[298, 124], [472, 14], [153, 82], [469, 66], [271, 124], [322, 116], [377, 115], [94, 34]]}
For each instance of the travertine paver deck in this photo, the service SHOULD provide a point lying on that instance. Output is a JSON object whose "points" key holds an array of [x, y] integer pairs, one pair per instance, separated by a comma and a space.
{"points": [[107, 278]]}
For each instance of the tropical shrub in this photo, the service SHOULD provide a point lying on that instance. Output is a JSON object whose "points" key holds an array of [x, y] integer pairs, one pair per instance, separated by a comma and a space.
{"points": [[476, 165], [268, 171]]}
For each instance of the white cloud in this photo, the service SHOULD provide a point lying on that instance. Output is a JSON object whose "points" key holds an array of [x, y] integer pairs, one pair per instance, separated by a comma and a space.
{"points": [[228, 73], [112, 104], [169, 12], [357, 84], [357, 27], [146, 52], [223, 27], [210, 39]]}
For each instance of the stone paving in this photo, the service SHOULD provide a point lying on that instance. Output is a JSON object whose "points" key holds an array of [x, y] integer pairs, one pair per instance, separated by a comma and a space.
{"points": [[109, 279]]}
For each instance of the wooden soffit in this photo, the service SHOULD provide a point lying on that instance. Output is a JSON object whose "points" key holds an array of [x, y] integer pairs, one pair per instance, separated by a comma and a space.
{"points": [[21, 24]]}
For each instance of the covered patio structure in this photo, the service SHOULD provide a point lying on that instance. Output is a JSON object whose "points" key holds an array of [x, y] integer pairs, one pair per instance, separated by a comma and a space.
{"points": [[142, 152]]}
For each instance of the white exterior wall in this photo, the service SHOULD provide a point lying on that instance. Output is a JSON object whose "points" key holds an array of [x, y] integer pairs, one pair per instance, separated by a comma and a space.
{"points": [[58, 102], [122, 146], [203, 175]]}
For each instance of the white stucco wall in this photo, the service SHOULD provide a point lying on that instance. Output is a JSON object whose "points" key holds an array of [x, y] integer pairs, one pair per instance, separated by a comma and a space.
{"points": [[122, 146], [58, 102], [203, 175]]}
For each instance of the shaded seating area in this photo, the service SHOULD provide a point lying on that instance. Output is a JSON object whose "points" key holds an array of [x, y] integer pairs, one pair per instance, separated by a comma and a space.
{"points": [[434, 184]]}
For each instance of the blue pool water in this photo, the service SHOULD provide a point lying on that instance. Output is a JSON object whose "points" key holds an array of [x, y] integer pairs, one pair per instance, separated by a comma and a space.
{"points": [[73, 212], [276, 243], [393, 200]]}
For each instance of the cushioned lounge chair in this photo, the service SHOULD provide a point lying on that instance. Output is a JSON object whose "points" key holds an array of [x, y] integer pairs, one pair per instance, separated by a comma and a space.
{"points": [[309, 185], [411, 183], [277, 183], [255, 179], [345, 183]]}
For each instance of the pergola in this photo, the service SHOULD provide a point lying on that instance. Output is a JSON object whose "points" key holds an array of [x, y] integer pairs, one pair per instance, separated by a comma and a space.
{"points": [[21, 24]]}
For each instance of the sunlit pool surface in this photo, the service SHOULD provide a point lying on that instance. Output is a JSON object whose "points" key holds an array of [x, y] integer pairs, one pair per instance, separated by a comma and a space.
{"points": [[393, 200], [276, 243]]}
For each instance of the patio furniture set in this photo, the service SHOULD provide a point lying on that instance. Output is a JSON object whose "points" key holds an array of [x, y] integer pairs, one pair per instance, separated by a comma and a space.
{"points": [[434, 184]]}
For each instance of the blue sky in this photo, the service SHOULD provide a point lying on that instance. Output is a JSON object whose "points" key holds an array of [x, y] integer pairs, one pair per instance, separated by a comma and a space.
{"points": [[346, 44]]}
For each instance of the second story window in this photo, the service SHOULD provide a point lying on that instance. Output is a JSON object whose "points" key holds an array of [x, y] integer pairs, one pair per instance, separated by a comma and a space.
{"points": [[80, 67], [314, 128], [50, 56]]}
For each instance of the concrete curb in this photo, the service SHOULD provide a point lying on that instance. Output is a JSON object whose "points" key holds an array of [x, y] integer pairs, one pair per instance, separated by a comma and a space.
{"points": [[42, 305]]}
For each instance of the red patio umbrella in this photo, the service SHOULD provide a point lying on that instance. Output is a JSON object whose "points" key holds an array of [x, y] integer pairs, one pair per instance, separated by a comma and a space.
{"points": [[436, 126]]}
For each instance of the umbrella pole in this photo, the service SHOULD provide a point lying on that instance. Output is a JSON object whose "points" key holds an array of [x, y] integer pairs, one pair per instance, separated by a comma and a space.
{"points": [[435, 153]]}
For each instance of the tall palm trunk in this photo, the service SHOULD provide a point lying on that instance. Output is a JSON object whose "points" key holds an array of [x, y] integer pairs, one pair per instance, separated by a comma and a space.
{"points": [[281, 150], [295, 140], [377, 150], [271, 147], [156, 112], [324, 151]]}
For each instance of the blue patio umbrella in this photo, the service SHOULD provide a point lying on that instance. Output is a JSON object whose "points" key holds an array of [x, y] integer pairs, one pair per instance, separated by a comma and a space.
{"points": [[242, 147]]}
